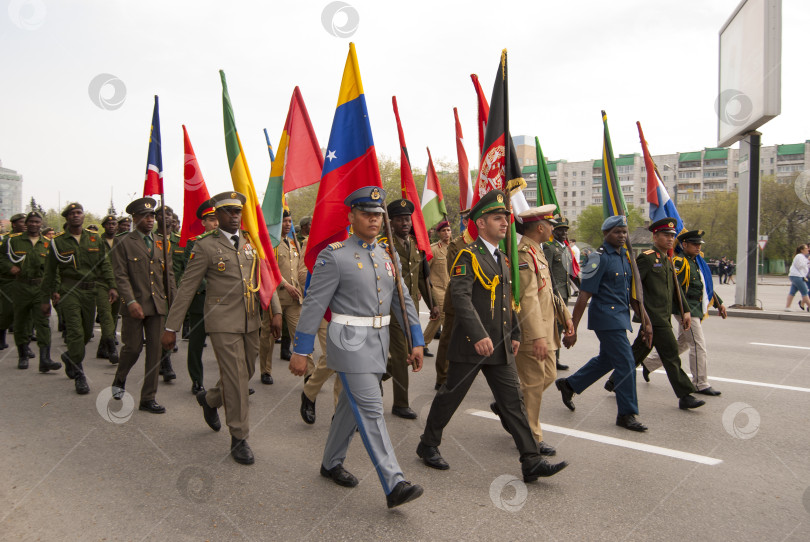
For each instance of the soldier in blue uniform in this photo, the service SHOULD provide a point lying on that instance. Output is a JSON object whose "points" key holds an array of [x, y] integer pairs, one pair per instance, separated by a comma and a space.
{"points": [[344, 280], [606, 279]]}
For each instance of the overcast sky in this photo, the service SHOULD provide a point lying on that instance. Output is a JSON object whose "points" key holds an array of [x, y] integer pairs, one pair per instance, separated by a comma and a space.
{"points": [[648, 60]]}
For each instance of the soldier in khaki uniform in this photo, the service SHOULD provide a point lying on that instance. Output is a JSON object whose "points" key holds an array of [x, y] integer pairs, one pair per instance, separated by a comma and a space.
{"points": [[6, 303], [413, 273], [447, 306], [560, 258], [138, 264], [227, 260], [439, 277], [541, 309], [291, 295]]}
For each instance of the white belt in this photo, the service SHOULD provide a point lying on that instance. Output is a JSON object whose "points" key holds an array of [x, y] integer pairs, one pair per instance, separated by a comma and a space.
{"points": [[376, 322]]}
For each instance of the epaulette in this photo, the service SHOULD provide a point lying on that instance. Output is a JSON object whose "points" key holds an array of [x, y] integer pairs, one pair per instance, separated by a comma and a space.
{"points": [[382, 239], [382, 244], [206, 234], [524, 248], [651, 251], [60, 233], [335, 246], [14, 234]]}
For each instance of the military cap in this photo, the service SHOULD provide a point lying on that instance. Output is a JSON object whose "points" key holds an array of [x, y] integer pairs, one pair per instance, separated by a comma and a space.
{"points": [[285, 214], [108, 218], [464, 213], [368, 198], [206, 208], [304, 221], [72, 207], [400, 207], [141, 206], [535, 214], [441, 225], [614, 221], [692, 236], [666, 225], [93, 227], [491, 202], [18, 216], [160, 210], [124, 219], [32, 214], [561, 222], [47, 230], [228, 199]]}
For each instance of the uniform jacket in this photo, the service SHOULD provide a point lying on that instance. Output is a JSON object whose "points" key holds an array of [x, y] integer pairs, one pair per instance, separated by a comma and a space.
{"points": [[228, 271], [70, 262], [439, 272], [607, 276], [34, 256], [452, 251], [290, 260], [559, 258], [693, 286], [177, 254], [410, 259], [475, 318], [540, 307], [658, 279], [139, 274], [354, 278]]}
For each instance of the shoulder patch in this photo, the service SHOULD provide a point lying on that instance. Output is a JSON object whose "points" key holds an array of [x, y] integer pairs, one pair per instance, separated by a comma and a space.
{"points": [[335, 246], [459, 270], [591, 265], [649, 252]]}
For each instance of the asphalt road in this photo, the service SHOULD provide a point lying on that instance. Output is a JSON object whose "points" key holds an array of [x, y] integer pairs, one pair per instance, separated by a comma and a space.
{"points": [[736, 469]]}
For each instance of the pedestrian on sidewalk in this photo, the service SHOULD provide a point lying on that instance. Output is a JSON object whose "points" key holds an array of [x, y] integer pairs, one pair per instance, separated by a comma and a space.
{"points": [[798, 276]]}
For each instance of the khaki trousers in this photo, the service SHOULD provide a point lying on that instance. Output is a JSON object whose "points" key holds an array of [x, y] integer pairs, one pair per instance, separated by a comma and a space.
{"points": [[535, 376], [433, 325], [694, 341], [236, 356], [321, 373], [267, 342], [133, 334]]}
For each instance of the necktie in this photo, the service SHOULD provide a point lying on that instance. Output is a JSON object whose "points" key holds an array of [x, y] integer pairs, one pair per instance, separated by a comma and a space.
{"points": [[148, 240], [497, 258], [235, 241]]}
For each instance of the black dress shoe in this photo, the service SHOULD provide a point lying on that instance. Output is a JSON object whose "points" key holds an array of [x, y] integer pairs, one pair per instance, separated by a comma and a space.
{"points": [[241, 452], [610, 385], [251, 391], [629, 421], [431, 457], [561, 367], [70, 370], [404, 412], [567, 393], [307, 410], [403, 492], [82, 388], [645, 372], [545, 449], [438, 334], [536, 467], [427, 353], [117, 391], [709, 391], [209, 412], [267, 379], [497, 411], [152, 406], [340, 476], [197, 388], [687, 401]]}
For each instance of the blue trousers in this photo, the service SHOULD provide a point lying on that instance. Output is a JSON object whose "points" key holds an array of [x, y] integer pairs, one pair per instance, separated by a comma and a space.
{"points": [[615, 354]]}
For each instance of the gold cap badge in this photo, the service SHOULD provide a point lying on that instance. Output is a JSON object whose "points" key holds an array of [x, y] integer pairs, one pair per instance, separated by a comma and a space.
{"points": [[500, 198], [375, 194], [402, 203]]}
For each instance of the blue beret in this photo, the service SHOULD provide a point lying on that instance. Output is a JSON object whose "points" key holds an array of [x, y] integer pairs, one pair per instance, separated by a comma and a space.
{"points": [[613, 221]]}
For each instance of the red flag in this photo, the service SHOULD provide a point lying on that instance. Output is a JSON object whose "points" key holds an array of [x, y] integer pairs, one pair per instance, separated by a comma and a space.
{"points": [[153, 183], [195, 193], [303, 159], [409, 191], [483, 114], [465, 190]]}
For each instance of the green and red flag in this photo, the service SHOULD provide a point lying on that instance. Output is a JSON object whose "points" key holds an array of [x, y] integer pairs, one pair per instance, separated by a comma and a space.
{"points": [[545, 190], [465, 190], [433, 208]]}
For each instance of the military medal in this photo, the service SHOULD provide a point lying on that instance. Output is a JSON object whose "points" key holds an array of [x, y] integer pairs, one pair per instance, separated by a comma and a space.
{"points": [[359, 265], [390, 268], [221, 266]]}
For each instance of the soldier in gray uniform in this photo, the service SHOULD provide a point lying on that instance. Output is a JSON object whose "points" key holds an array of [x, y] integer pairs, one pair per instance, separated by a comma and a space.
{"points": [[358, 340]]}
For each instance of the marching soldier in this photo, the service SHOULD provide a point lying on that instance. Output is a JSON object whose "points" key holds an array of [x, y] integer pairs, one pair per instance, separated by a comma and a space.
{"points": [[344, 279], [447, 328], [176, 255], [559, 258], [6, 278], [541, 309], [413, 274], [486, 337], [303, 230], [607, 278], [290, 294], [138, 264], [76, 263], [107, 312], [26, 254], [439, 277], [226, 260], [694, 340]]}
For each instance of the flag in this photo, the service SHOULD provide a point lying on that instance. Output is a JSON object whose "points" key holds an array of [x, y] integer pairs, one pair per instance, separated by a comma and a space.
{"points": [[465, 190], [433, 208], [252, 218], [409, 191], [662, 206], [195, 193], [153, 184], [298, 163], [545, 190], [612, 197], [351, 163], [483, 114]]}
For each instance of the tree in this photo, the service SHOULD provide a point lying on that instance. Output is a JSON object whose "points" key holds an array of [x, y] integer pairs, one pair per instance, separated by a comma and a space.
{"points": [[588, 225], [716, 214], [34, 206], [784, 218]]}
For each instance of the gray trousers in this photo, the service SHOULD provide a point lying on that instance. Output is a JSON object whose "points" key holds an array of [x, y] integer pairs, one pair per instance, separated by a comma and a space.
{"points": [[360, 407]]}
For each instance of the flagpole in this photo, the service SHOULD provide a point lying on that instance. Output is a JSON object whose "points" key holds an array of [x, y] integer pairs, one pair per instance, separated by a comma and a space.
{"points": [[507, 147], [166, 263]]}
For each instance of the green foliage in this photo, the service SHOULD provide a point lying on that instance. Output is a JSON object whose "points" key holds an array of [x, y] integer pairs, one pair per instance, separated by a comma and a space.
{"points": [[587, 228], [716, 214], [784, 218]]}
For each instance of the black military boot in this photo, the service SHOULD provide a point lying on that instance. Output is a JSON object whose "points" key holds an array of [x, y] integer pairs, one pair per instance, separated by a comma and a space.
{"points": [[22, 354], [112, 351], [3, 343], [285, 349], [103, 350], [70, 369], [166, 368], [82, 387], [45, 362], [29, 352]]}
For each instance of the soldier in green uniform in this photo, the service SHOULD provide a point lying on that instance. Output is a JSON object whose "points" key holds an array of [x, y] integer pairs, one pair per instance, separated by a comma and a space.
{"points": [[76, 262], [410, 259], [124, 225], [6, 303], [663, 297], [107, 312], [26, 256], [176, 253]]}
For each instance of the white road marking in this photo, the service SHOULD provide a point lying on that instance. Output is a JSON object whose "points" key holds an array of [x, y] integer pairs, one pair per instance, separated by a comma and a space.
{"points": [[746, 382], [783, 346], [649, 448]]}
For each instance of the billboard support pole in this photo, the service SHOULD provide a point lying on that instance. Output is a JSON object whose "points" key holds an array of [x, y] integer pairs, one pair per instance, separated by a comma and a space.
{"points": [[748, 224]]}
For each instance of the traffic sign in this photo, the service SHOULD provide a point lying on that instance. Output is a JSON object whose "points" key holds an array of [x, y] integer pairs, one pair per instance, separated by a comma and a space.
{"points": [[762, 243]]}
